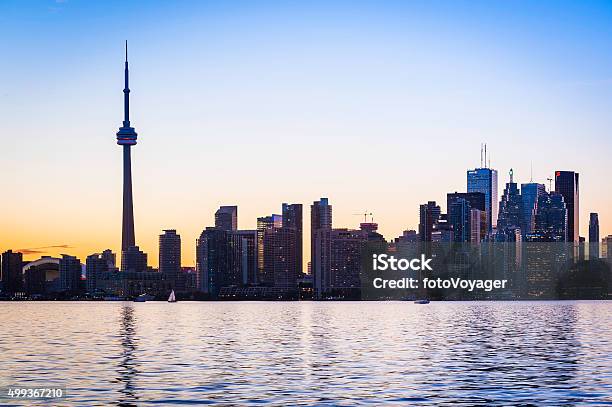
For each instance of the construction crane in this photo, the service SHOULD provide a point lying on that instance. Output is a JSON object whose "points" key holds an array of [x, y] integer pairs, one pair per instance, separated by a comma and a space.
{"points": [[550, 180], [365, 216]]}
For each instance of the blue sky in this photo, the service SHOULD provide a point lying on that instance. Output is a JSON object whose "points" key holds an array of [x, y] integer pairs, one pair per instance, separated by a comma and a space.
{"points": [[378, 105]]}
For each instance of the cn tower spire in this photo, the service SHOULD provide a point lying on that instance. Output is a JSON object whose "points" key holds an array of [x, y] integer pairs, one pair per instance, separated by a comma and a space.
{"points": [[126, 137], [126, 91]]}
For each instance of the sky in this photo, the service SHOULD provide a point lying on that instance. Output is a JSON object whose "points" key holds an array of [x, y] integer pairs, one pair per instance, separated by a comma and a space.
{"points": [[378, 105]]}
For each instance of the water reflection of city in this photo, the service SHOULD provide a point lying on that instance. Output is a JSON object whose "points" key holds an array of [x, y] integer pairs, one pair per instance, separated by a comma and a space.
{"points": [[500, 357], [126, 369]]}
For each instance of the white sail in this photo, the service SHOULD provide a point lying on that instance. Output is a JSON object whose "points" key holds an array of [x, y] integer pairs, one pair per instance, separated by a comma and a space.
{"points": [[172, 298]]}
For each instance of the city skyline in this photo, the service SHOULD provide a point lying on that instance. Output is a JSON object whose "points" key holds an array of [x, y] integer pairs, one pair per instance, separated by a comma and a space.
{"points": [[225, 120]]}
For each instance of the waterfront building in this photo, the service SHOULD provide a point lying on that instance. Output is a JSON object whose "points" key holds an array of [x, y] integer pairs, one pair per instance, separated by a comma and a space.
{"points": [[292, 218], [242, 252], [42, 276], [280, 258], [170, 254], [264, 223], [12, 278], [70, 271], [320, 227], [96, 265], [345, 261], [212, 261]]}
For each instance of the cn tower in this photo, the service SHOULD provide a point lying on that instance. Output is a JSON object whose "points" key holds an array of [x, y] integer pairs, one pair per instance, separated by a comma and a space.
{"points": [[126, 137]]}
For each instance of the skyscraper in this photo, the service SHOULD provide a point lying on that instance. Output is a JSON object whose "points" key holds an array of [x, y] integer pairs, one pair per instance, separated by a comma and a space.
{"points": [[126, 137], [485, 180], [264, 223], [566, 184], [292, 218], [594, 236], [242, 262], [510, 210], [345, 260], [280, 258], [475, 199], [170, 254], [530, 193], [320, 228], [551, 219], [478, 226], [226, 218], [459, 215], [429, 214], [70, 273], [95, 267], [212, 261], [12, 279]]}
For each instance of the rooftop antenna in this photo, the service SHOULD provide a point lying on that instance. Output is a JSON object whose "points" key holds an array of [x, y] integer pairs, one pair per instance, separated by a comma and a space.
{"points": [[481, 155], [485, 163], [531, 179], [511, 176]]}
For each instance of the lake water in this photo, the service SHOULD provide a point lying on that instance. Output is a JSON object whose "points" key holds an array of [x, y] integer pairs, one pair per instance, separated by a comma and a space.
{"points": [[310, 353]]}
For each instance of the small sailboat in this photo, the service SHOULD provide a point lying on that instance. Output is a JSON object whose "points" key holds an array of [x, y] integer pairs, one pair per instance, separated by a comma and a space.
{"points": [[172, 297]]}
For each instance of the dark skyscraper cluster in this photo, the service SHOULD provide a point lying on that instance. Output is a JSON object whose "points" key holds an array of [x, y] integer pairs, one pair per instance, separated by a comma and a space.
{"points": [[269, 257]]}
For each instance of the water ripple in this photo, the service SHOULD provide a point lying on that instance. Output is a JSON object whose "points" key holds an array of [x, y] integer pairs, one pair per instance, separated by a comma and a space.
{"points": [[309, 353]]}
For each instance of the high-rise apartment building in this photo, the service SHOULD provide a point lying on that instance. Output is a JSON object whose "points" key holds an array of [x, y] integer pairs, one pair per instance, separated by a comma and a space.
{"points": [[320, 228], [292, 218], [12, 278], [170, 254], [70, 273]]}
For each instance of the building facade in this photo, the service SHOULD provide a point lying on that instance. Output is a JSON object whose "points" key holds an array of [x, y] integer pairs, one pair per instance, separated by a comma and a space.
{"points": [[567, 185], [484, 180]]}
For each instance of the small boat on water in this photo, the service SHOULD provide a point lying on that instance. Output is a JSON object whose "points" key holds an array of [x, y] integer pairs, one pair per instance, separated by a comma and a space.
{"points": [[172, 297], [144, 298], [424, 301], [113, 298]]}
